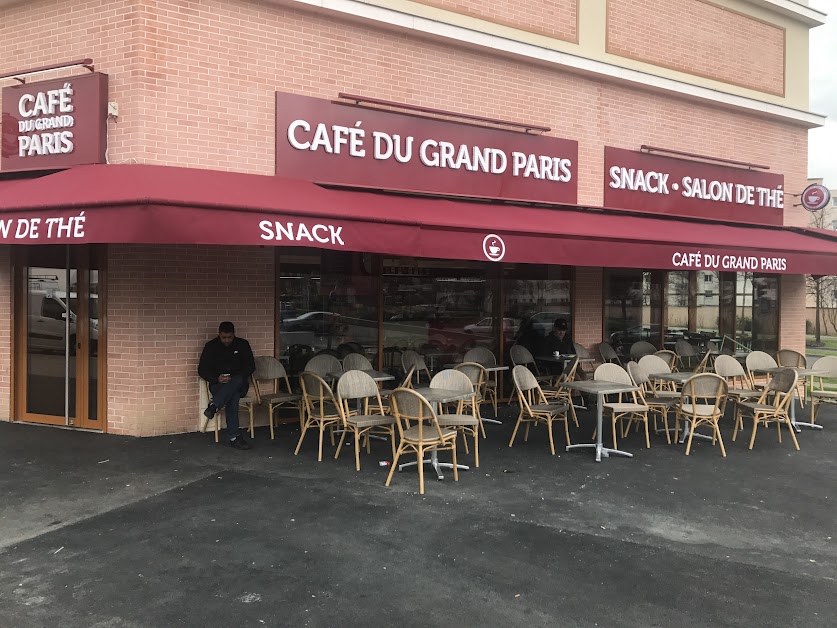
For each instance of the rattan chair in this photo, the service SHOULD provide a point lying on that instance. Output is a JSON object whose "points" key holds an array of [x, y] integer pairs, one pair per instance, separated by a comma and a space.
{"points": [[249, 403], [642, 348], [756, 361], [485, 357], [686, 352], [771, 407], [608, 353], [657, 406], [819, 395], [354, 386], [655, 365], [468, 424], [272, 372], [419, 431], [321, 409], [794, 359], [703, 400], [414, 362], [632, 409], [740, 388], [356, 362], [534, 408], [521, 356], [326, 366], [669, 357], [476, 374], [565, 395]]}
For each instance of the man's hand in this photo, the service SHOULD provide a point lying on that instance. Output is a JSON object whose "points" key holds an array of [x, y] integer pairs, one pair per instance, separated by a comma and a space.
{"points": [[223, 379]]}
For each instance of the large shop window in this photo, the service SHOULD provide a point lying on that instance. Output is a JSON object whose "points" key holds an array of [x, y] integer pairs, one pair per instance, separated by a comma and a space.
{"points": [[633, 308], [534, 297], [328, 303], [440, 308], [757, 311]]}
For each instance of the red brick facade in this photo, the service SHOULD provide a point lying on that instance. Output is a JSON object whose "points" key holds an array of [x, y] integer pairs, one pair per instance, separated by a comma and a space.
{"points": [[195, 84]]}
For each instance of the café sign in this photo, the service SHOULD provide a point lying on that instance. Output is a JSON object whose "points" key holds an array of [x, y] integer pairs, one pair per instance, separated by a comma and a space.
{"points": [[54, 124], [651, 183], [326, 142]]}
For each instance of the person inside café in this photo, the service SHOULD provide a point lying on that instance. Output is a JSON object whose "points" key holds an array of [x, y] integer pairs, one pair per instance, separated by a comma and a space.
{"points": [[227, 363], [559, 340]]}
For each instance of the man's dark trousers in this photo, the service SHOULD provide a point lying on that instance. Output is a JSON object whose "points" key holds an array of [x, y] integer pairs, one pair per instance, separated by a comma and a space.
{"points": [[227, 396]]}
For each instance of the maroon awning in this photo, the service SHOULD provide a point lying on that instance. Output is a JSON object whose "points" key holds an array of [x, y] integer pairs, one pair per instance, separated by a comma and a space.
{"points": [[165, 205]]}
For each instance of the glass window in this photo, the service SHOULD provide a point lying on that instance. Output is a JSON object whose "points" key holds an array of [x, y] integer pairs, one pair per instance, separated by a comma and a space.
{"points": [[677, 307], [757, 311], [440, 308], [632, 301], [534, 297], [328, 302], [708, 307]]}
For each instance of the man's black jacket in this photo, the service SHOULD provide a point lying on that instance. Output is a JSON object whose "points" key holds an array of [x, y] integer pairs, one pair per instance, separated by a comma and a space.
{"points": [[217, 359]]}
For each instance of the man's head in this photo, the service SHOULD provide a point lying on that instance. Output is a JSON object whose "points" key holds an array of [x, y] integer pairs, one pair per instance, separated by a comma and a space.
{"points": [[226, 332], [559, 327]]}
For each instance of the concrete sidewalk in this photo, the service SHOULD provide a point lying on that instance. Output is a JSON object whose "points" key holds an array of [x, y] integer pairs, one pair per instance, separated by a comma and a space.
{"points": [[178, 531]]}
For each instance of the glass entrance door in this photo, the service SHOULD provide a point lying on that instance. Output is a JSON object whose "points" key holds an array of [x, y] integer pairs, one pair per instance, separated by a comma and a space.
{"points": [[57, 337]]}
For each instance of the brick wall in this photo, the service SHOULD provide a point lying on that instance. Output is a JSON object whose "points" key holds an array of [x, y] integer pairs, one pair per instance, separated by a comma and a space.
{"points": [[164, 303], [792, 312], [587, 307], [553, 18], [5, 331], [700, 38]]}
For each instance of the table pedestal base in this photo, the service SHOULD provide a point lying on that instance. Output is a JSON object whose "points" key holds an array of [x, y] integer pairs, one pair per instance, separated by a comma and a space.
{"points": [[601, 450], [437, 466]]}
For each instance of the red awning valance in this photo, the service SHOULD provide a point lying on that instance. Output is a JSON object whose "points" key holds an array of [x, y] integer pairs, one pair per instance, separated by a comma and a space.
{"points": [[164, 205]]}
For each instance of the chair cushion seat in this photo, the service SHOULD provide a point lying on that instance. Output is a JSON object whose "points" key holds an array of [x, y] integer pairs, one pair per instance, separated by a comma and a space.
{"points": [[699, 409], [370, 420], [672, 394], [626, 407], [551, 408], [491, 383], [329, 409], [451, 420], [246, 401], [756, 407], [281, 398], [429, 435]]}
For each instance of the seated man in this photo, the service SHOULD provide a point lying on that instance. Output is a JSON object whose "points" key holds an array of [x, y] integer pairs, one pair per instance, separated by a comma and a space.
{"points": [[559, 340], [227, 363]]}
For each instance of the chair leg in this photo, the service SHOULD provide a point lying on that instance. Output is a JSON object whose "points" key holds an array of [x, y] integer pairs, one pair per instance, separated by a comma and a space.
{"points": [[779, 430], [392, 440], [455, 469], [302, 437], [720, 439], [394, 464], [217, 425], [322, 429], [465, 440], [514, 432], [476, 449], [252, 422], [420, 454], [357, 448], [567, 431], [551, 440], [691, 433], [793, 435], [755, 427], [340, 444], [647, 439], [572, 410], [526, 432], [615, 444], [665, 427]]}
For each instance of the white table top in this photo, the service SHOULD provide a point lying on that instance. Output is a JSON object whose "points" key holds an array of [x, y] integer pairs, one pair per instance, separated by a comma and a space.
{"points": [[799, 370], [378, 376], [673, 377]]}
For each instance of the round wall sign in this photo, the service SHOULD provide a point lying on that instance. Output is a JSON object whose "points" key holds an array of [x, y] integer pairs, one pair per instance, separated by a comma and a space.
{"points": [[815, 197], [494, 247]]}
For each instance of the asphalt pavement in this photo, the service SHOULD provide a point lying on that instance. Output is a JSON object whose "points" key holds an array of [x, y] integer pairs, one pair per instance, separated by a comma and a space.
{"points": [[99, 530]]}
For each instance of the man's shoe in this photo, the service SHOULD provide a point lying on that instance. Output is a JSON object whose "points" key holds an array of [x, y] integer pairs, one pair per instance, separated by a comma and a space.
{"points": [[239, 443], [210, 411]]}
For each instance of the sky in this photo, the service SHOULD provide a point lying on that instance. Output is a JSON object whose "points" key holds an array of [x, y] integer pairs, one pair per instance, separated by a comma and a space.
{"points": [[822, 142]]}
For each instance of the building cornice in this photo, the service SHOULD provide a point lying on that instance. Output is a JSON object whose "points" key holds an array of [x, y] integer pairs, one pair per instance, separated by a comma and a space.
{"points": [[794, 10]]}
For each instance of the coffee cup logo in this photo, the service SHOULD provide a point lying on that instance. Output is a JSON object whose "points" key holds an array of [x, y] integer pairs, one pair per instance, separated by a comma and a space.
{"points": [[494, 247], [815, 197]]}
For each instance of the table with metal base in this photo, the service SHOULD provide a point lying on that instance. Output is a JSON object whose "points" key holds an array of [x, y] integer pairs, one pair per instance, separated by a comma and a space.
{"points": [[804, 373], [494, 369], [600, 389], [438, 396]]}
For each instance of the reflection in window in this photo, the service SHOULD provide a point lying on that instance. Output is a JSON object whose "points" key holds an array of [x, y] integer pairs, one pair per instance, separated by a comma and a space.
{"points": [[328, 302], [708, 304], [757, 311], [440, 308], [534, 297], [677, 307], [632, 307]]}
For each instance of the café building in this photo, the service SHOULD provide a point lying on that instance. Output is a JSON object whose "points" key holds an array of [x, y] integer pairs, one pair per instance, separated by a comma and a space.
{"points": [[389, 175]]}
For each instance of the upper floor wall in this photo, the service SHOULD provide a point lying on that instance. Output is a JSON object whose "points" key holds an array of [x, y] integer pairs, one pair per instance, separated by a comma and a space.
{"points": [[195, 83]]}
